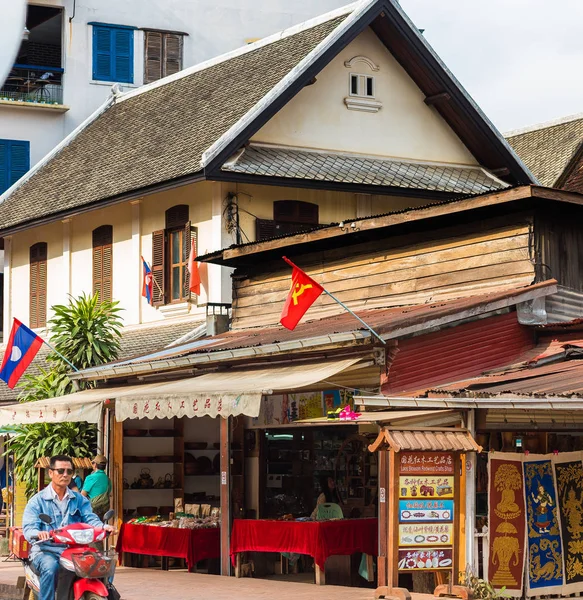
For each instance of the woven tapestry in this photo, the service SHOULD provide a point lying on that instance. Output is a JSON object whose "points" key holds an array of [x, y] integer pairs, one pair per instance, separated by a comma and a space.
{"points": [[507, 518], [569, 476], [544, 553]]}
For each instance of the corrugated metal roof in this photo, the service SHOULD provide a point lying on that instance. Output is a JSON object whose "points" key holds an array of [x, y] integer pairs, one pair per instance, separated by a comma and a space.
{"points": [[339, 167], [390, 322], [442, 440]]}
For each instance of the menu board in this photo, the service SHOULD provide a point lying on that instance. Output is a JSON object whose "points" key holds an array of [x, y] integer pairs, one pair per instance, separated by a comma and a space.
{"points": [[426, 511], [418, 486], [411, 511], [431, 559]]}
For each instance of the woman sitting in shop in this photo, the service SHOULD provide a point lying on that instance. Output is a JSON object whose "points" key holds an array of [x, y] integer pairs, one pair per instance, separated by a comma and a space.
{"points": [[329, 494]]}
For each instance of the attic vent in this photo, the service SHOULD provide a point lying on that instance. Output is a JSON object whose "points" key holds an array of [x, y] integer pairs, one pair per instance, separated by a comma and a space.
{"points": [[361, 93]]}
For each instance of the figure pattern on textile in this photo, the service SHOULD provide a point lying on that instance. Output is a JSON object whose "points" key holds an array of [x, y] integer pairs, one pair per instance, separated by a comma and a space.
{"points": [[545, 565], [506, 552], [570, 497]]}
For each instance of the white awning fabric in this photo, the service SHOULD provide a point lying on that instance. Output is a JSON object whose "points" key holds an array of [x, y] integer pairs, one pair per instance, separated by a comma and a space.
{"points": [[214, 394]]}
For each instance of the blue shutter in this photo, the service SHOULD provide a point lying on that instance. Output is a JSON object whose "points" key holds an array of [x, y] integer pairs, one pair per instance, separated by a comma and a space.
{"points": [[4, 166], [19, 160], [102, 54], [124, 55]]}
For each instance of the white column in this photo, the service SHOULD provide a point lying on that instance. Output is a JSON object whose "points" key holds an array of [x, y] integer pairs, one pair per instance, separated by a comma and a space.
{"points": [[136, 305], [219, 282], [66, 259], [470, 493], [7, 287]]}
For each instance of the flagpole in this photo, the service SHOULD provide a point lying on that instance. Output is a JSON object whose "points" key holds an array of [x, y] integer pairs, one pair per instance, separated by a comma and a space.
{"points": [[289, 262], [154, 280], [59, 354]]}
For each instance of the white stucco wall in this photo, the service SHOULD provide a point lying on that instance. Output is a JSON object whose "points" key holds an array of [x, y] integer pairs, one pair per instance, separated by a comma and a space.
{"points": [[213, 28], [404, 127]]}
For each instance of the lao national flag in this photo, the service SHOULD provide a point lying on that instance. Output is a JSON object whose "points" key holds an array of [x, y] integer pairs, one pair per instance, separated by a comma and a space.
{"points": [[146, 281], [22, 347], [303, 293]]}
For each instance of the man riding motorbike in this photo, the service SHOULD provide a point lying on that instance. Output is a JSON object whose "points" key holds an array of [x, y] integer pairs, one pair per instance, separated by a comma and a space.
{"points": [[64, 507]]}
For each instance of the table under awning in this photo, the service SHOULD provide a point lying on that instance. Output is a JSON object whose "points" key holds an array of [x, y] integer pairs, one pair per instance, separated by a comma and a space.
{"points": [[230, 393]]}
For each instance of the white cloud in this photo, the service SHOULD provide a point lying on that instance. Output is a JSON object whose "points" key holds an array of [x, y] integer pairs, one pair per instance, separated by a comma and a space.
{"points": [[519, 59]]}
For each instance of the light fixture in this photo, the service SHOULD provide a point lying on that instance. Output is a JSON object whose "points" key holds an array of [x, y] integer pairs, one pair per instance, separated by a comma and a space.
{"points": [[26, 33]]}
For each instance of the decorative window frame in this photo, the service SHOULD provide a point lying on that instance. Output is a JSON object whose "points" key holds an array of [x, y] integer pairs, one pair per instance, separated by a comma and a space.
{"points": [[361, 100]]}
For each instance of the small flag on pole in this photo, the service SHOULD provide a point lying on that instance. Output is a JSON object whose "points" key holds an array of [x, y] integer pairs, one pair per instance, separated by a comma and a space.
{"points": [[146, 281], [193, 270], [303, 293], [23, 344]]}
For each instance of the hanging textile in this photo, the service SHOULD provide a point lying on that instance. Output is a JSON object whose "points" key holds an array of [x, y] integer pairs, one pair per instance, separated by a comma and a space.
{"points": [[507, 521], [545, 564]]}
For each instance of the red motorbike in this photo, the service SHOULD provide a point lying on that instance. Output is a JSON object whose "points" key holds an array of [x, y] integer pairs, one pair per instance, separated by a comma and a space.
{"points": [[89, 570]]}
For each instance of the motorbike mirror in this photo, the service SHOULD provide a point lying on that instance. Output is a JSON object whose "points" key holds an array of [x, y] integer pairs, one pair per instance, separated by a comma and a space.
{"points": [[108, 515], [45, 518]]}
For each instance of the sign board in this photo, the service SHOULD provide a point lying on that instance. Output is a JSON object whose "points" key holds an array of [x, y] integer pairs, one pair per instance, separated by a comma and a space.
{"points": [[431, 559], [422, 463], [432, 486], [425, 534], [411, 511]]}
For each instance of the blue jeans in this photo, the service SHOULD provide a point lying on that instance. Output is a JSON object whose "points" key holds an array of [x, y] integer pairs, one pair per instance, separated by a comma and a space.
{"points": [[47, 564]]}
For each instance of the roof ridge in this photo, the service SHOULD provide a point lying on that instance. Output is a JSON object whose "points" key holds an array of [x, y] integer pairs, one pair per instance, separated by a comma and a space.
{"points": [[241, 50], [543, 125]]}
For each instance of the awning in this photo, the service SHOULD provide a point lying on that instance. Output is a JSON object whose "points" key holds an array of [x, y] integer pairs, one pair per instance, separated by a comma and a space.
{"points": [[226, 394], [427, 440], [413, 418]]}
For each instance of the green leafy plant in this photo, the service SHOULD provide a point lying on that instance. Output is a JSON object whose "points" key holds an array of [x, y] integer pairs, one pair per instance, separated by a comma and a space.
{"points": [[480, 588], [87, 333]]}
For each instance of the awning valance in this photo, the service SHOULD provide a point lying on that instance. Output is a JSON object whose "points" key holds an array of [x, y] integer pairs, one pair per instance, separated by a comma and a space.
{"points": [[230, 393], [426, 440]]}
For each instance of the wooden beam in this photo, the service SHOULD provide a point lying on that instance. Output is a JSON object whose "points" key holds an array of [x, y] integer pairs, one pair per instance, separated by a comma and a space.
{"points": [[383, 471], [437, 98], [502, 172], [225, 441]]}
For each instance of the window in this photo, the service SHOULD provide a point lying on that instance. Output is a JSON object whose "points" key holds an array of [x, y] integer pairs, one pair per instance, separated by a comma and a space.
{"points": [[102, 262], [362, 85], [14, 162], [38, 285], [289, 216], [113, 53], [162, 55], [170, 253]]}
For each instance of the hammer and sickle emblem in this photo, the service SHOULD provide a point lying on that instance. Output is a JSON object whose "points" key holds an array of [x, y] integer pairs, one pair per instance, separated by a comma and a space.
{"points": [[300, 288]]}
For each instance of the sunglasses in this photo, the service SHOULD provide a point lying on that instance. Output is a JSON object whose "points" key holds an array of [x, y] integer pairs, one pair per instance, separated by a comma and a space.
{"points": [[64, 471]]}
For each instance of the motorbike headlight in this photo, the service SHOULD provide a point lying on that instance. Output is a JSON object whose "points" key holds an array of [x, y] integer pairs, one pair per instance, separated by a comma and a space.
{"points": [[82, 536]]}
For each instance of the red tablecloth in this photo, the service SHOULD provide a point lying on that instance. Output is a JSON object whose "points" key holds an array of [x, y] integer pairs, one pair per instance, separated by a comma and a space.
{"points": [[319, 539], [190, 544]]}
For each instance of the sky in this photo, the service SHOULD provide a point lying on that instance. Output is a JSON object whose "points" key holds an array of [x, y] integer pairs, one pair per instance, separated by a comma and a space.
{"points": [[521, 60]]}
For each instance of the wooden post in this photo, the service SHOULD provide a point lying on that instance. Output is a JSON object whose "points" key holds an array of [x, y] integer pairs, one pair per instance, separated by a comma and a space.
{"points": [[383, 471], [320, 575], [225, 440], [116, 469]]}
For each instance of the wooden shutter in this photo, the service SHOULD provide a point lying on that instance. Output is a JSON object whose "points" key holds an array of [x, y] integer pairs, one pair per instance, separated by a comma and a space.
{"points": [[172, 54], [123, 41], [190, 233], [102, 54], [295, 211], [19, 160], [158, 267], [264, 229], [177, 216], [102, 262], [38, 285], [153, 56]]}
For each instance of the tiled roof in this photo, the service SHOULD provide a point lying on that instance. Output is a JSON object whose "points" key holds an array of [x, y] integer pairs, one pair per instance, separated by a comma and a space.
{"points": [[158, 134], [547, 149], [296, 163], [135, 341]]}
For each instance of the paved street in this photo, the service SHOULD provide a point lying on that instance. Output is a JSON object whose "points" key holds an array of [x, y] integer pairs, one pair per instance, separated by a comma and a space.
{"points": [[135, 584]]}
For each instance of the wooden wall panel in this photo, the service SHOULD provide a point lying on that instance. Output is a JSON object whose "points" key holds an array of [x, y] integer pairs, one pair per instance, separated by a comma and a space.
{"points": [[398, 271]]}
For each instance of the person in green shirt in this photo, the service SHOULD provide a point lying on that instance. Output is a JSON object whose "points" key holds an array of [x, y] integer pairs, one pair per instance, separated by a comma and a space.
{"points": [[97, 486]]}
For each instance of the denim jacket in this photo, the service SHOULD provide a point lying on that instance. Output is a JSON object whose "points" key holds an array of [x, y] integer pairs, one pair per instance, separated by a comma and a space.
{"points": [[79, 511]]}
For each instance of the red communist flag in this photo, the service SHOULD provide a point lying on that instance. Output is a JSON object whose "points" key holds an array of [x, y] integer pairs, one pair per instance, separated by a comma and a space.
{"points": [[303, 293]]}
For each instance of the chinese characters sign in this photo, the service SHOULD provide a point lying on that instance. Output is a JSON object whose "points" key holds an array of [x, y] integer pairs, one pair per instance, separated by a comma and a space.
{"points": [[422, 463], [426, 534], [425, 510], [431, 559], [426, 487]]}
